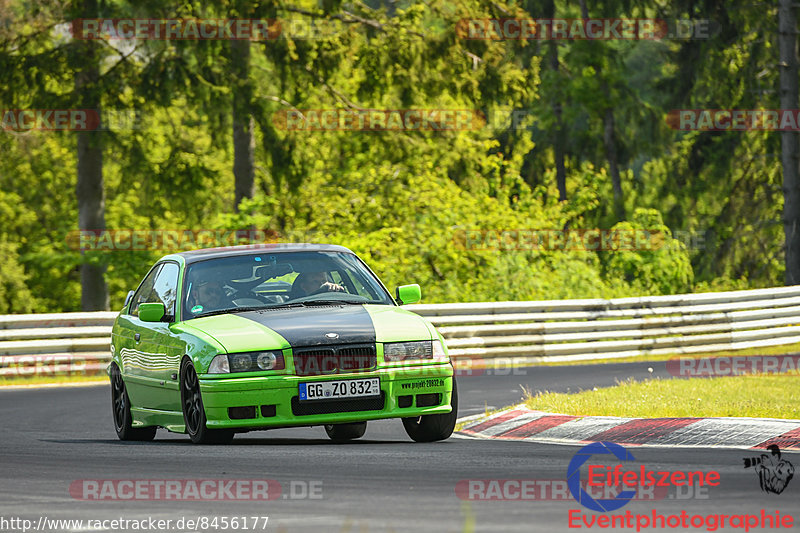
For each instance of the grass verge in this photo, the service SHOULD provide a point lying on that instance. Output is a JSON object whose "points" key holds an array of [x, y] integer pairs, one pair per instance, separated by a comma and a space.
{"points": [[757, 395], [767, 350], [51, 380]]}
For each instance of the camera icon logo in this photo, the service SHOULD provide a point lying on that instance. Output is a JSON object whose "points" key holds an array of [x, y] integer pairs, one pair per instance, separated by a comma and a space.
{"points": [[774, 472]]}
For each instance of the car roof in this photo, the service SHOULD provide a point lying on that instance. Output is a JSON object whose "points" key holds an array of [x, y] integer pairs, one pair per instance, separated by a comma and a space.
{"points": [[202, 254]]}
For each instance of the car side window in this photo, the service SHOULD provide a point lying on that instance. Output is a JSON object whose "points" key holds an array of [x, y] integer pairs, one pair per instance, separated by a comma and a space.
{"points": [[145, 290], [165, 288]]}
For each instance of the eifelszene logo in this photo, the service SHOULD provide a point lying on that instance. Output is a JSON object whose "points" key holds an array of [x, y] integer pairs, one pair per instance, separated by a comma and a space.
{"points": [[631, 476], [614, 477], [574, 476], [774, 473]]}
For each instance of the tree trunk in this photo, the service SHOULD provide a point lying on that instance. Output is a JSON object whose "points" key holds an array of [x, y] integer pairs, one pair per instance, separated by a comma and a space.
{"points": [[609, 136], [243, 138], [787, 42], [558, 137], [89, 191], [610, 141]]}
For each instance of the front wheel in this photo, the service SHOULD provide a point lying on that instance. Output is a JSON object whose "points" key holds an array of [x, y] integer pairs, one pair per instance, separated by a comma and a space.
{"points": [[194, 414], [345, 432], [430, 428], [121, 410]]}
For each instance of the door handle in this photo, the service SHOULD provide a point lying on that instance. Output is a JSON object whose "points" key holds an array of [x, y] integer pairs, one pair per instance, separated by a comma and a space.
{"points": [[136, 337]]}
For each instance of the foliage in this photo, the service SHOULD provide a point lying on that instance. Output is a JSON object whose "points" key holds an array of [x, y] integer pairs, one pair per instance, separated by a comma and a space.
{"points": [[403, 199], [662, 265]]}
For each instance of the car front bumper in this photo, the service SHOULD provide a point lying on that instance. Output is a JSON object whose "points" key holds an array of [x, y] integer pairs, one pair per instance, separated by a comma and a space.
{"points": [[272, 401]]}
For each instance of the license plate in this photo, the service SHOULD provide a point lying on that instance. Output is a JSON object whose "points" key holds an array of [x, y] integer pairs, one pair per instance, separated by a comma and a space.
{"points": [[345, 388]]}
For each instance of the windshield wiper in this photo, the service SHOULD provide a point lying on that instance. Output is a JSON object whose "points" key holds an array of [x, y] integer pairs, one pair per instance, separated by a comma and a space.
{"points": [[332, 302], [288, 305], [228, 310]]}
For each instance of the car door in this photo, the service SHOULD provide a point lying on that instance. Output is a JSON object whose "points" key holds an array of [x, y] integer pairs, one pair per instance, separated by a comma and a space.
{"points": [[166, 367], [157, 353], [121, 333], [136, 351]]}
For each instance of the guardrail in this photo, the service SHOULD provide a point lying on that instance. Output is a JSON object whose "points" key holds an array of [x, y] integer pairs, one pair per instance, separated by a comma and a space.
{"points": [[55, 343], [561, 330], [554, 330]]}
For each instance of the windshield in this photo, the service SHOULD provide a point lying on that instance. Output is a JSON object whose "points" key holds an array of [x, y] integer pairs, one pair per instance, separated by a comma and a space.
{"points": [[288, 279]]}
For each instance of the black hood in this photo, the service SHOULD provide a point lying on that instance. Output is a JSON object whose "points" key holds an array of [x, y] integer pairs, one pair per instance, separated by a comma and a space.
{"points": [[308, 326]]}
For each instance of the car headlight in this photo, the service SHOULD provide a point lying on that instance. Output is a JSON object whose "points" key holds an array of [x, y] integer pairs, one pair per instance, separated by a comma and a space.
{"points": [[247, 362], [405, 351]]}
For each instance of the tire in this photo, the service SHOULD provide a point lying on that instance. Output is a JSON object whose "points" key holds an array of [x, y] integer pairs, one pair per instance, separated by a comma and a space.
{"points": [[121, 411], [345, 432], [430, 428], [194, 414]]}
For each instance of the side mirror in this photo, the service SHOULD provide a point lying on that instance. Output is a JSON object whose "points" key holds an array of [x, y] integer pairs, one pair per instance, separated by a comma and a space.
{"points": [[128, 299], [408, 294], [151, 312]]}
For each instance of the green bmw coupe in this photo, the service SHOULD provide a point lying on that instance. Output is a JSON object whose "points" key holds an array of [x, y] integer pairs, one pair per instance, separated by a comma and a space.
{"points": [[221, 341]]}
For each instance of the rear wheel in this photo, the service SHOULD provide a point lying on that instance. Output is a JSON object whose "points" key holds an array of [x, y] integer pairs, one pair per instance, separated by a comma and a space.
{"points": [[430, 428], [345, 432], [194, 414], [121, 411]]}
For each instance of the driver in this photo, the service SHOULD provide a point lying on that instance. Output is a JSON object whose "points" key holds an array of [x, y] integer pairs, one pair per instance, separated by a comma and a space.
{"points": [[308, 283], [211, 296]]}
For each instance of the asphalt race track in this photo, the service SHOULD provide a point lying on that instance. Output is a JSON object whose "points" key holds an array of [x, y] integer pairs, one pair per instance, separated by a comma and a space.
{"points": [[54, 438]]}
